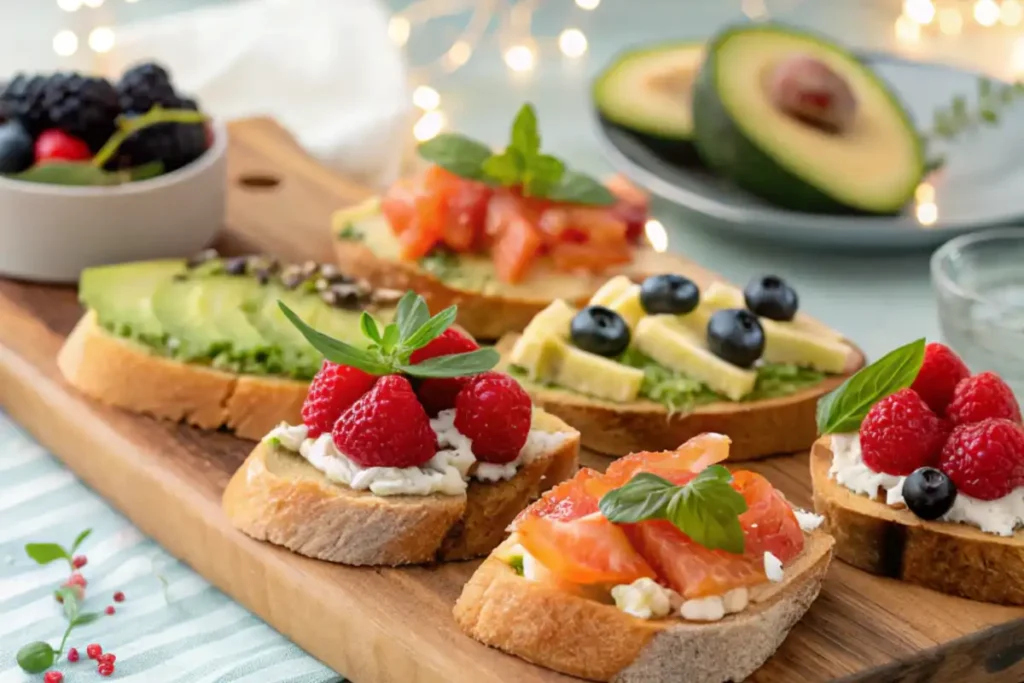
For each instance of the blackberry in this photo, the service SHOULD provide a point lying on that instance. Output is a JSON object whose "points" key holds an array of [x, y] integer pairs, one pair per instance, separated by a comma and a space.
{"points": [[145, 86], [85, 107], [22, 100], [173, 144]]}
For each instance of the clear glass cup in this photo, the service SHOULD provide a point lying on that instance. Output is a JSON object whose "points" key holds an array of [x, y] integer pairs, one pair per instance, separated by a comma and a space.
{"points": [[979, 283]]}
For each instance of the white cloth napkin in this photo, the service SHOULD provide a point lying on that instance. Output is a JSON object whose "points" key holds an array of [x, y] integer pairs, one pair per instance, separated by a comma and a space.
{"points": [[325, 69]]}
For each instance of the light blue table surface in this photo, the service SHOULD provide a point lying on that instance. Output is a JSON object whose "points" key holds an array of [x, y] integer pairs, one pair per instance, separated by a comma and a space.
{"points": [[196, 634]]}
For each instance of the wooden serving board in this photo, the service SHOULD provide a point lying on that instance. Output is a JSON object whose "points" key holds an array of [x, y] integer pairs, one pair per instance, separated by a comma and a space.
{"points": [[395, 624]]}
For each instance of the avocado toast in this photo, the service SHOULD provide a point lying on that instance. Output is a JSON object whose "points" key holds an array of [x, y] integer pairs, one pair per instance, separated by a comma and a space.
{"points": [[645, 366], [203, 341]]}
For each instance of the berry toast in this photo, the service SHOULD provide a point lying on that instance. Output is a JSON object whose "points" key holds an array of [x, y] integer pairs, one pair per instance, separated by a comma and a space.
{"points": [[649, 365], [665, 567], [203, 342], [410, 450], [920, 474], [496, 243]]}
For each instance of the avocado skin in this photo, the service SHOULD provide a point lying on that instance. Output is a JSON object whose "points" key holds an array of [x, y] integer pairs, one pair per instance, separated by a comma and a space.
{"points": [[726, 150], [678, 151]]}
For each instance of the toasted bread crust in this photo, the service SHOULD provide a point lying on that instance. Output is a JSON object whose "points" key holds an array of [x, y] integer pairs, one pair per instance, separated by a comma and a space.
{"points": [[109, 369], [957, 559], [276, 496], [596, 641], [486, 315], [757, 429]]}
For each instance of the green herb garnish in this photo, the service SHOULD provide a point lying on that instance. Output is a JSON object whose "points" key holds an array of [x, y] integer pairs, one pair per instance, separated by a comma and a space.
{"points": [[388, 351], [441, 263], [521, 164], [949, 122], [351, 233], [516, 562], [45, 553], [845, 408], [706, 509]]}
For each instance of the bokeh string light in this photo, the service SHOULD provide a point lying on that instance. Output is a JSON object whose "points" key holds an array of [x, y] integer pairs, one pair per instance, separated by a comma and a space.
{"points": [[952, 17], [99, 38]]}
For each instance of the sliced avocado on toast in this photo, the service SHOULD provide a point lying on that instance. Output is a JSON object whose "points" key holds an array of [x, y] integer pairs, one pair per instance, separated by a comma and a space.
{"points": [[803, 123], [647, 92], [224, 313]]}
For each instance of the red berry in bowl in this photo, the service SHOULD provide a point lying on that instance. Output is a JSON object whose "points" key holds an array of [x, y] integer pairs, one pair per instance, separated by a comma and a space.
{"points": [[56, 145], [980, 397], [985, 459], [387, 427], [940, 373], [901, 433], [333, 390], [496, 413]]}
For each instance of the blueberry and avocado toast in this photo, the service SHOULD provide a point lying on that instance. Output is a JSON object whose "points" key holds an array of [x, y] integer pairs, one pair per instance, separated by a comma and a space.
{"points": [[204, 341], [648, 364]]}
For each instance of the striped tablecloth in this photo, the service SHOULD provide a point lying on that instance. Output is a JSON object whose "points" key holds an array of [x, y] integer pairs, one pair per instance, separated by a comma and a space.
{"points": [[172, 627]]}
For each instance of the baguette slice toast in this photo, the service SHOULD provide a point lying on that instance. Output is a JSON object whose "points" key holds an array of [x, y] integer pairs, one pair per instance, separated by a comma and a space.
{"points": [[952, 558], [109, 368], [488, 308], [277, 496], [599, 642], [757, 429]]}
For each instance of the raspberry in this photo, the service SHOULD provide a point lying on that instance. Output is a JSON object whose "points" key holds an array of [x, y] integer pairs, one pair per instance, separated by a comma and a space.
{"points": [[94, 651], [941, 371], [387, 427], [439, 394], [79, 561], [56, 145], [980, 397], [107, 658], [105, 669], [985, 459], [73, 655], [494, 411], [901, 433], [450, 341], [333, 390], [53, 677]]}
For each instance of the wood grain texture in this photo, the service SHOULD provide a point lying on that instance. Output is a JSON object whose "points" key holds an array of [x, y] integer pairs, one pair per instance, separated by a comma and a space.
{"points": [[396, 624]]}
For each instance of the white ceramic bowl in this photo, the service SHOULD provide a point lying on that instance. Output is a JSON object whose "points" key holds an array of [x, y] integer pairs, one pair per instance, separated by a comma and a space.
{"points": [[50, 233]]}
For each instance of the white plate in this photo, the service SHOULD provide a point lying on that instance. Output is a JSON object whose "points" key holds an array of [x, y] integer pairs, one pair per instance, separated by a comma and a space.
{"points": [[981, 185]]}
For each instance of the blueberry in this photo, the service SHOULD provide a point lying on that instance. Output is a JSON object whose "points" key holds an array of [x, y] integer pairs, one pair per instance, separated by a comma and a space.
{"points": [[669, 294], [736, 336], [770, 297], [928, 492], [17, 149], [600, 330]]}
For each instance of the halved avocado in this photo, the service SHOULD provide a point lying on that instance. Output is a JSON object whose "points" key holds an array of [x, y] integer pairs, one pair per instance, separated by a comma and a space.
{"points": [[647, 93], [872, 166]]}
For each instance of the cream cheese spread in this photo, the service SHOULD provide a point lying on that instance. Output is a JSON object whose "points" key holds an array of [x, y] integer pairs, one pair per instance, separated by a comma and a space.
{"points": [[448, 472], [1002, 516]]}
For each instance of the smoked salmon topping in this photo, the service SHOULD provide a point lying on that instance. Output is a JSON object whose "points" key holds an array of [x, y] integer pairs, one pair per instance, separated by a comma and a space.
{"points": [[567, 534]]}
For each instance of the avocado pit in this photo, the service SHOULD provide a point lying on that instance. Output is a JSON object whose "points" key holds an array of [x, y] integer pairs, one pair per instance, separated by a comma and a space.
{"points": [[809, 90]]}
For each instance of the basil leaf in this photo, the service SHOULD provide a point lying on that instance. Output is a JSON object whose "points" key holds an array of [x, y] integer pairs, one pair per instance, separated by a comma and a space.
{"points": [[45, 553], [368, 326], [85, 618], [707, 510], [79, 540], [35, 658], [645, 496], [525, 136], [454, 365], [334, 350], [457, 154], [411, 314], [543, 174], [579, 188], [506, 168], [429, 331], [844, 409]]}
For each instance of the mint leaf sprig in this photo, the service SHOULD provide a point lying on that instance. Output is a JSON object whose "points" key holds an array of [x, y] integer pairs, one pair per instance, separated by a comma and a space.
{"points": [[843, 409], [521, 164], [388, 350], [45, 553], [706, 509], [951, 121], [39, 656]]}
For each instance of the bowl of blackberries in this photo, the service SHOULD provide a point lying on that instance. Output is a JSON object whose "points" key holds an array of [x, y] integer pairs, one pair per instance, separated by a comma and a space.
{"points": [[96, 171]]}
